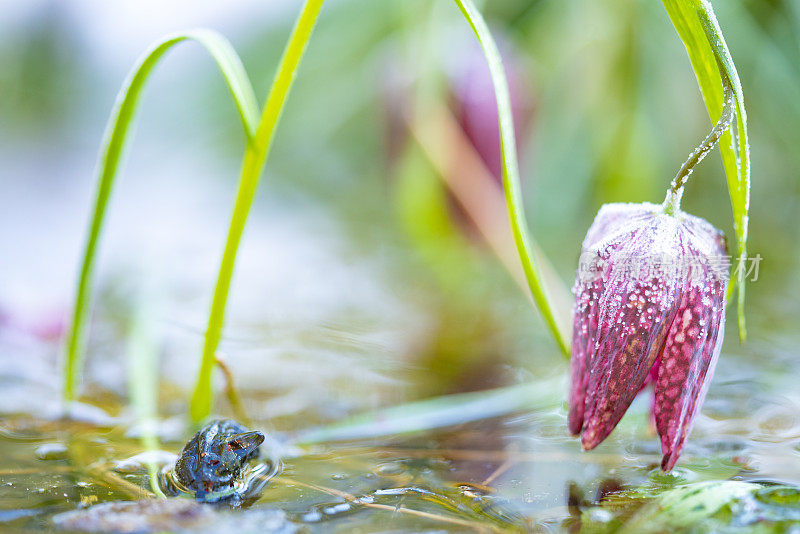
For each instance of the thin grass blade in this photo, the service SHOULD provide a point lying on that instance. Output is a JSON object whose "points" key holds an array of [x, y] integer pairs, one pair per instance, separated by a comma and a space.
{"points": [[143, 383], [439, 412], [114, 142], [511, 182], [255, 157]]}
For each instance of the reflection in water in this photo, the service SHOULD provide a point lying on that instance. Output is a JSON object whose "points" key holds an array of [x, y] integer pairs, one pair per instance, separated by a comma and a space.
{"points": [[245, 491], [518, 472], [511, 473]]}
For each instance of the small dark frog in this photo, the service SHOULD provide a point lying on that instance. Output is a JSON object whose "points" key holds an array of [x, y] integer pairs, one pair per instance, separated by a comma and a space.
{"points": [[212, 463]]}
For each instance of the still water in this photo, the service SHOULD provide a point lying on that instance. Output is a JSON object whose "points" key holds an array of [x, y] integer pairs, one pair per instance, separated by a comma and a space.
{"points": [[516, 472]]}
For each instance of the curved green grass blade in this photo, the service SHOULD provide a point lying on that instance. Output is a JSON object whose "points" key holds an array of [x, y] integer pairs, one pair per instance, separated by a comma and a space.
{"points": [[111, 153], [511, 184], [254, 159], [711, 60]]}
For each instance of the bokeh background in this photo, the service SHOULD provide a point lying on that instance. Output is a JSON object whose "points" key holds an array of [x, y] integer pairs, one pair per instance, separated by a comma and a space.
{"points": [[361, 279]]}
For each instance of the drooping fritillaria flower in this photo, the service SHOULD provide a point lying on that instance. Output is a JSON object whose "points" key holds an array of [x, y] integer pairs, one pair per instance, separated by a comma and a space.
{"points": [[650, 298]]}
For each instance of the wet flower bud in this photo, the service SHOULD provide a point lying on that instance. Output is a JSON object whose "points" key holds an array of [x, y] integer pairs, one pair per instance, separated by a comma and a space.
{"points": [[649, 297]]}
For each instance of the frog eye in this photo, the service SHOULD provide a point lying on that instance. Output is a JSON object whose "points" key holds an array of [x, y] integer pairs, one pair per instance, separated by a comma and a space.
{"points": [[245, 443]]}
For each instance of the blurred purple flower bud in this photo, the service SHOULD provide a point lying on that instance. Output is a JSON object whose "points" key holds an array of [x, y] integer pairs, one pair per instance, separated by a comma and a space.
{"points": [[475, 108], [648, 302]]}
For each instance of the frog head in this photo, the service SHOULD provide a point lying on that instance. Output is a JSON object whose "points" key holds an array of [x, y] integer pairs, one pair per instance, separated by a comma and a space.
{"points": [[213, 460]]}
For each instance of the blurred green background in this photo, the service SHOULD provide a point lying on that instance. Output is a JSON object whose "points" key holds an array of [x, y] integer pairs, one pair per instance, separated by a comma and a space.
{"points": [[356, 247]]}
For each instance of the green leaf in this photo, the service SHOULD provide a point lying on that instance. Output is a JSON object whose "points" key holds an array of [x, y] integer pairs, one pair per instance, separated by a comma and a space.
{"points": [[439, 412], [113, 146], [511, 182], [711, 60], [719, 506], [687, 506], [254, 159]]}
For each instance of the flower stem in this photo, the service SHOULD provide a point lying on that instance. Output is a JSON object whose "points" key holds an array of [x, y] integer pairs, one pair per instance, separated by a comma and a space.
{"points": [[673, 201], [672, 204]]}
